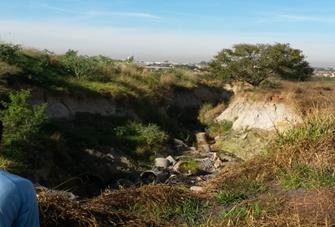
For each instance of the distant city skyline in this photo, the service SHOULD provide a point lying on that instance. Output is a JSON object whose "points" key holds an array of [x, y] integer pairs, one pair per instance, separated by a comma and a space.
{"points": [[174, 30]]}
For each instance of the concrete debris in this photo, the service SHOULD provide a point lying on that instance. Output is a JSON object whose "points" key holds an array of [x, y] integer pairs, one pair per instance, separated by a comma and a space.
{"points": [[61, 194], [197, 189], [205, 148], [201, 138], [162, 163], [154, 176], [171, 160], [180, 145], [206, 165]]}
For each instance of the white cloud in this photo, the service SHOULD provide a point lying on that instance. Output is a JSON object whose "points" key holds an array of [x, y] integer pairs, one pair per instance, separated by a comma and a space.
{"points": [[266, 17], [296, 17], [148, 44], [96, 13]]}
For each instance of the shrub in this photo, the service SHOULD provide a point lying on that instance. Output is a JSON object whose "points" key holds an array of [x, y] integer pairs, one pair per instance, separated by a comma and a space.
{"points": [[21, 121], [149, 138], [203, 113], [220, 128], [80, 66], [208, 113], [270, 84], [9, 53]]}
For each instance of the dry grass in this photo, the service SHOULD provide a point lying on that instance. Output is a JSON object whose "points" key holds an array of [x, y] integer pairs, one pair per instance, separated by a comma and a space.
{"points": [[293, 208], [126, 207], [298, 176]]}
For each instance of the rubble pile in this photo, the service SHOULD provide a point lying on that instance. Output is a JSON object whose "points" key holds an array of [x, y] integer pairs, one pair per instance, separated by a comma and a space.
{"points": [[194, 167]]}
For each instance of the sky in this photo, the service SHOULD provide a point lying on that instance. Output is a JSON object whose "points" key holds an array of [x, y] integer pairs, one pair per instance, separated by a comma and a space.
{"points": [[175, 30]]}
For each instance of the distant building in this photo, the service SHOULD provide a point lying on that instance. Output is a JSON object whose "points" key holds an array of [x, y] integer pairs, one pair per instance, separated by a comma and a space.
{"points": [[324, 72]]}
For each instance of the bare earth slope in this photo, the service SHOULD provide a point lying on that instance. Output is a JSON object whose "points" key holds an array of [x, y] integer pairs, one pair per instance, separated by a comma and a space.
{"points": [[245, 112]]}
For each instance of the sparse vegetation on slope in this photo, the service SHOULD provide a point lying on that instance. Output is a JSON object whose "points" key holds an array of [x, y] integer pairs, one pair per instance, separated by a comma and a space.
{"points": [[289, 183], [297, 166]]}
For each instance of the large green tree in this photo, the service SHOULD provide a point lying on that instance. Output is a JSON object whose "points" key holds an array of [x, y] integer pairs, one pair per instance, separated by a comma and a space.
{"points": [[255, 63]]}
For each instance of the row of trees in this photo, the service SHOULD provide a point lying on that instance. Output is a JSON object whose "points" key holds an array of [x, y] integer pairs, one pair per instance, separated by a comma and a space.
{"points": [[256, 63]]}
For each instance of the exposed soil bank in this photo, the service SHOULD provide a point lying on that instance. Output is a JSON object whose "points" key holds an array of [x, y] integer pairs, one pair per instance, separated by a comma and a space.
{"points": [[269, 114]]}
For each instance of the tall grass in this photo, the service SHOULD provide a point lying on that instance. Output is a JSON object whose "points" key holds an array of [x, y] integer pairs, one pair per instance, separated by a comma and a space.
{"points": [[315, 124]]}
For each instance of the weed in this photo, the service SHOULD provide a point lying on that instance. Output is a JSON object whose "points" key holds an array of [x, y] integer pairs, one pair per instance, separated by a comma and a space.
{"points": [[243, 211], [244, 186], [190, 166], [316, 125], [227, 198], [189, 211], [219, 128], [22, 123], [303, 176]]}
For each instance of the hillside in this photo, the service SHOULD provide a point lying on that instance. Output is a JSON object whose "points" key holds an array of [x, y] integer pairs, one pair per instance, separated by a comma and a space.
{"points": [[239, 155]]}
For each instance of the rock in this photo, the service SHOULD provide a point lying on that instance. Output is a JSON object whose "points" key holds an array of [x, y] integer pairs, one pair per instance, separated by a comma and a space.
{"points": [[154, 176], [200, 179], [162, 163], [58, 193], [197, 189], [176, 167], [110, 156], [218, 163], [201, 138], [206, 165], [193, 148], [180, 145], [205, 148], [125, 161], [171, 160]]}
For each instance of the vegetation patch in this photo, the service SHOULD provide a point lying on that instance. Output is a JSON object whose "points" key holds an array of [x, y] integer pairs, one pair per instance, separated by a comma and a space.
{"points": [[306, 177], [221, 128]]}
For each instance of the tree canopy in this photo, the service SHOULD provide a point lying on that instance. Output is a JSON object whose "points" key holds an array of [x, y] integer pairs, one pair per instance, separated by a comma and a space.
{"points": [[254, 63]]}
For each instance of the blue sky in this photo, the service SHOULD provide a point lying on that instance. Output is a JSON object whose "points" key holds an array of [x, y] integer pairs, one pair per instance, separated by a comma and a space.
{"points": [[176, 30]]}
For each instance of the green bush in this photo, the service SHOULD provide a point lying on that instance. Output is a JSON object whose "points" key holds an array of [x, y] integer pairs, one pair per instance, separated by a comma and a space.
{"points": [[9, 53], [149, 138], [80, 66], [21, 121], [202, 117], [220, 128], [271, 84]]}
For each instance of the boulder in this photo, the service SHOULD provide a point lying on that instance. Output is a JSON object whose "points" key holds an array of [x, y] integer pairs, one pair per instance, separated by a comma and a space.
{"points": [[162, 163], [197, 189]]}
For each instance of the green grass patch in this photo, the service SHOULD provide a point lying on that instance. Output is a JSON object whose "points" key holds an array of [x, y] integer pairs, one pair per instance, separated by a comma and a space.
{"points": [[306, 177], [219, 128], [315, 126], [189, 212], [244, 211], [227, 198], [236, 191]]}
